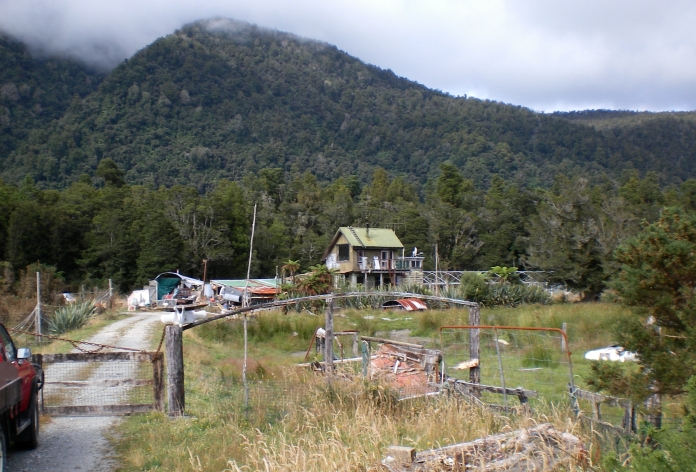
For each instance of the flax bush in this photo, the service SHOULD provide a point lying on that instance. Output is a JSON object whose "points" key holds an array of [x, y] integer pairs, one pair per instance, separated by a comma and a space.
{"points": [[71, 317]]}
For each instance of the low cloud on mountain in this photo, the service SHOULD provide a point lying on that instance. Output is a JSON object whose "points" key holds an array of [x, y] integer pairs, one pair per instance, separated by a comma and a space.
{"points": [[544, 54]]}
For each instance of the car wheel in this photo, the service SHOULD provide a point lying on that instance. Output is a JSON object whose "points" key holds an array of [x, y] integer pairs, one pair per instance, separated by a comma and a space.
{"points": [[29, 438]]}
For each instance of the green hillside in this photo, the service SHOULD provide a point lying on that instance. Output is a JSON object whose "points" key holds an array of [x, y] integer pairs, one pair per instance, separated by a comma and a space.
{"points": [[34, 92], [222, 99]]}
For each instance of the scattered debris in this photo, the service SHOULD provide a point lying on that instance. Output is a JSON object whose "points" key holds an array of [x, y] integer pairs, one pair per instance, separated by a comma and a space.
{"points": [[408, 369], [407, 304], [470, 364], [611, 353], [539, 448]]}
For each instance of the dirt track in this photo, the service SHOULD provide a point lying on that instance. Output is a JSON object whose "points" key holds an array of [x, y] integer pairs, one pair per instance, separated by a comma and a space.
{"points": [[79, 443]]}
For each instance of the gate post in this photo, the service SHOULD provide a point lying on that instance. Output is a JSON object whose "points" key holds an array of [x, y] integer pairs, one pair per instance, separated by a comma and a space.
{"points": [[174, 349], [158, 381]]}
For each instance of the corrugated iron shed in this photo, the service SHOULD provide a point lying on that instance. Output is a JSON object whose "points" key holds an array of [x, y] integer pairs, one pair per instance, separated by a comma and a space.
{"points": [[263, 287], [241, 283], [408, 304]]}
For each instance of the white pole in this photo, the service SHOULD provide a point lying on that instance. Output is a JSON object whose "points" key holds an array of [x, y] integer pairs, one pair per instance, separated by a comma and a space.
{"points": [[111, 295], [437, 275], [38, 304], [245, 301]]}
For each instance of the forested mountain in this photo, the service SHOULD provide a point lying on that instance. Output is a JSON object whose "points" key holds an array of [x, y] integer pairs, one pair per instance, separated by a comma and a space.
{"points": [[34, 92], [157, 165], [220, 99]]}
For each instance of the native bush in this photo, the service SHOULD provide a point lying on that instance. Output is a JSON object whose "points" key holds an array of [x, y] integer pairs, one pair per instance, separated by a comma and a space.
{"points": [[71, 317]]}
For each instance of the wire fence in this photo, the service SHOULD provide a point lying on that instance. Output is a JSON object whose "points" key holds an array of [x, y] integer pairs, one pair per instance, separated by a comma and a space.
{"points": [[93, 383], [534, 362]]}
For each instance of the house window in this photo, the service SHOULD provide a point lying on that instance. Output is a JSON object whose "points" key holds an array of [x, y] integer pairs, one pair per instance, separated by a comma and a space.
{"points": [[385, 255], [343, 252]]}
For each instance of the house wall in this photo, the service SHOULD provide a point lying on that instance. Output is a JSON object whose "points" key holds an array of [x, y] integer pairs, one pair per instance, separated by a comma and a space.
{"points": [[350, 265]]}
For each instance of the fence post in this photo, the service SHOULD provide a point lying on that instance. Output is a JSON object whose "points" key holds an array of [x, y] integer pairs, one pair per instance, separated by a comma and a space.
{"points": [[654, 410], [365, 357], [328, 347], [474, 351], [500, 366], [564, 328], [597, 410], [355, 345], [38, 305], [174, 349], [158, 381]]}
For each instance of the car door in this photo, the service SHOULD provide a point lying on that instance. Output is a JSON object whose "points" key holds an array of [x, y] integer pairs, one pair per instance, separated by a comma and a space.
{"points": [[24, 368]]}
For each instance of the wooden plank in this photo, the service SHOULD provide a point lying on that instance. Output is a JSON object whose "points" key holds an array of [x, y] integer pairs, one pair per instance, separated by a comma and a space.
{"points": [[389, 341], [599, 398], [158, 381], [98, 357], [105, 383], [339, 361], [174, 349], [98, 410], [471, 363], [491, 388]]}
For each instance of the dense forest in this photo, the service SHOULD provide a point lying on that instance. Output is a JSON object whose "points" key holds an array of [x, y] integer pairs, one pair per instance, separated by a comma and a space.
{"points": [[157, 164], [103, 228]]}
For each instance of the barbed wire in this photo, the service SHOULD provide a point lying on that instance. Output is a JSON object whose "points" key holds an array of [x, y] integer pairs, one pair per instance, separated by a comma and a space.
{"points": [[76, 343]]}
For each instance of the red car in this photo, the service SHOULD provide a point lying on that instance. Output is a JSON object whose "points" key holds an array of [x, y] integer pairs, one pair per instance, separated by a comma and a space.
{"points": [[20, 383]]}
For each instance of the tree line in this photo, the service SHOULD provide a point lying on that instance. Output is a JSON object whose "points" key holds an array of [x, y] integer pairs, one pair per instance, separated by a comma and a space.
{"points": [[103, 228]]}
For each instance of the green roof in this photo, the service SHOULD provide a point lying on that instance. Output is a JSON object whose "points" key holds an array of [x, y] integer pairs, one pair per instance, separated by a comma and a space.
{"points": [[371, 237], [241, 283]]}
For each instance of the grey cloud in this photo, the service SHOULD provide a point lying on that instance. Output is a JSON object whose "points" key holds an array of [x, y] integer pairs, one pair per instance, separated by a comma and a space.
{"points": [[544, 54]]}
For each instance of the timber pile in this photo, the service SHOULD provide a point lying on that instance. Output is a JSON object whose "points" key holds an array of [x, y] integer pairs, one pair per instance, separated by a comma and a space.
{"points": [[408, 370], [539, 448]]}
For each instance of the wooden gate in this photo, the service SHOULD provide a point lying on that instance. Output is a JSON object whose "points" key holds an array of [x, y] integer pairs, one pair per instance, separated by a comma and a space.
{"points": [[102, 383]]}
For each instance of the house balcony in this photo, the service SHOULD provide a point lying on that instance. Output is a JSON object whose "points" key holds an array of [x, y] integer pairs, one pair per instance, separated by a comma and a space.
{"points": [[401, 264]]}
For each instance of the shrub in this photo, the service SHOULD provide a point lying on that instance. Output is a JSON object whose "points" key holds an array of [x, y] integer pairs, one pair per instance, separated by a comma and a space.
{"points": [[71, 317]]}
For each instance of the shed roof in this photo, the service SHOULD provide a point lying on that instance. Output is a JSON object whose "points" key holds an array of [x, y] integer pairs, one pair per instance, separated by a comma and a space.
{"points": [[242, 283], [188, 281]]}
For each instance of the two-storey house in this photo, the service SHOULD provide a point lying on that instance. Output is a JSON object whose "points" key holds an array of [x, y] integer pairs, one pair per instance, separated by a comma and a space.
{"points": [[372, 257]]}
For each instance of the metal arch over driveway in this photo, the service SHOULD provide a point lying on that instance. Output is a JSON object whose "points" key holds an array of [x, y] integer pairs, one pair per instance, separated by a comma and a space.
{"points": [[292, 301]]}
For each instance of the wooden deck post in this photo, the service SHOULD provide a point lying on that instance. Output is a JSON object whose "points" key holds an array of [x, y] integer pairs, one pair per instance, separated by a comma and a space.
{"points": [[174, 348]]}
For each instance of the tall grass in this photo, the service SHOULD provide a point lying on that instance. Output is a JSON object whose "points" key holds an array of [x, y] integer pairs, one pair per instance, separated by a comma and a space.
{"points": [[263, 328], [71, 317], [297, 422], [339, 427]]}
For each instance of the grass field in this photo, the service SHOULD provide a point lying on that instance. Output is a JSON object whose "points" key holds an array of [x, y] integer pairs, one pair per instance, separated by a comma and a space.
{"points": [[296, 421]]}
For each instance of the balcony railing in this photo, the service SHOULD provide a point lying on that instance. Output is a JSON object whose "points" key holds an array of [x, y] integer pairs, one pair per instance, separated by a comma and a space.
{"points": [[367, 264]]}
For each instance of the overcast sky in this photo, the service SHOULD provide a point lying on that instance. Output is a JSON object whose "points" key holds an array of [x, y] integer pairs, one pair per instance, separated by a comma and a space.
{"points": [[544, 54]]}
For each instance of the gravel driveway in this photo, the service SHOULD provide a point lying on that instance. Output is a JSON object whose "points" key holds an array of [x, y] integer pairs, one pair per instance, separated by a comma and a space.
{"points": [[79, 442]]}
